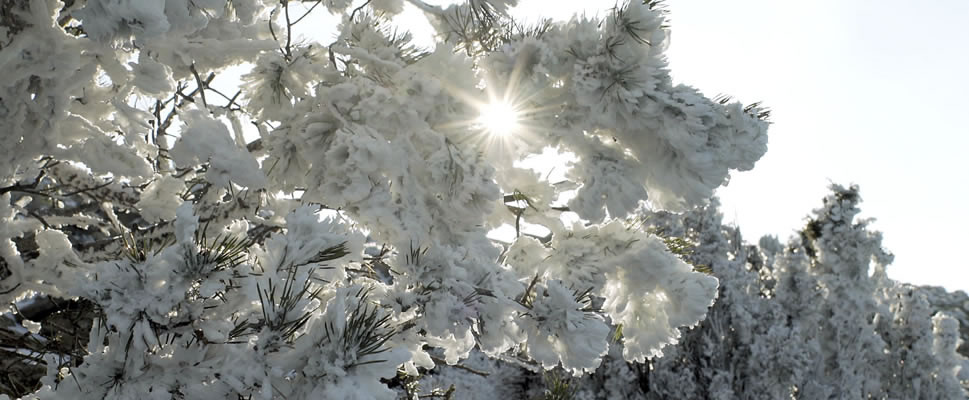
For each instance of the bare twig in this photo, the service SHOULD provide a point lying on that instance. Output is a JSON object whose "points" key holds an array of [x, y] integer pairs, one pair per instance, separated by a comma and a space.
{"points": [[307, 12], [201, 85], [355, 10], [231, 100], [289, 31], [25, 188], [469, 369]]}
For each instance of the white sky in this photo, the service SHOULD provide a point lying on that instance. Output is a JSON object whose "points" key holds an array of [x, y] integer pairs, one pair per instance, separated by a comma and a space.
{"points": [[867, 92], [862, 91]]}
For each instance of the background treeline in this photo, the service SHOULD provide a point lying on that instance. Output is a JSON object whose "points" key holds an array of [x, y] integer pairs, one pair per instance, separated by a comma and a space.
{"points": [[813, 318]]}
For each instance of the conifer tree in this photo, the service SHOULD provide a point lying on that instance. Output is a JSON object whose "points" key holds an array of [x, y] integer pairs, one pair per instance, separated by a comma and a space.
{"points": [[817, 318], [322, 231]]}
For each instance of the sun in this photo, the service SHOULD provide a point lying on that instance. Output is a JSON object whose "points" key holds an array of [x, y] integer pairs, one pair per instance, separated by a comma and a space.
{"points": [[499, 118]]}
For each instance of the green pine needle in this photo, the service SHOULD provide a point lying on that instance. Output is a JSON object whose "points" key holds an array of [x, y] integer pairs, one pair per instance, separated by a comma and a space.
{"points": [[557, 388]]}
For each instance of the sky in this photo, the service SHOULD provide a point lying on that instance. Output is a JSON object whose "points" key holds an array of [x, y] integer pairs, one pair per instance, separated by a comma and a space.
{"points": [[874, 93], [863, 92]]}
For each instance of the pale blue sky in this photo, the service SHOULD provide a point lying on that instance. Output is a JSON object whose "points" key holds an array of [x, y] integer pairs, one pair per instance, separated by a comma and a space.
{"points": [[862, 91]]}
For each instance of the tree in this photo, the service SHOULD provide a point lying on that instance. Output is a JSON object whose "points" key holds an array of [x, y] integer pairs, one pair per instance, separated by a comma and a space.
{"points": [[815, 318], [324, 231]]}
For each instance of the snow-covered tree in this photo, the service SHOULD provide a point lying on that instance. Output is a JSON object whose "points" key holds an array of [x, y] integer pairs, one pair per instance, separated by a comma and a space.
{"points": [[954, 304], [815, 319], [325, 229]]}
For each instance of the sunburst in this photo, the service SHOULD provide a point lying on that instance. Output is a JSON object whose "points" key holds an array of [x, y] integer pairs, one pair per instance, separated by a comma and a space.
{"points": [[499, 118], [507, 116]]}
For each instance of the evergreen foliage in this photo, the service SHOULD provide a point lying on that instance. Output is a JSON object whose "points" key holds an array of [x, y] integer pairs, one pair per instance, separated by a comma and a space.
{"points": [[324, 228], [790, 325], [321, 229]]}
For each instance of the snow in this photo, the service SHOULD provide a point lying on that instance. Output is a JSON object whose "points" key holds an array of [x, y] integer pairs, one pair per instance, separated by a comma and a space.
{"points": [[160, 199], [352, 245], [205, 139]]}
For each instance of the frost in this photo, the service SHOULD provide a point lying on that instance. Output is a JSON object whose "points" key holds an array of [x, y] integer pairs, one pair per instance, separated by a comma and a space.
{"points": [[652, 295], [186, 223], [205, 139], [388, 7], [161, 198], [335, 243], [150, 76], [107, 19], [561, 328]]}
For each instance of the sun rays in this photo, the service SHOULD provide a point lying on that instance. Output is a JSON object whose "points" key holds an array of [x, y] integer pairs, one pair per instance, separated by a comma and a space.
{"points": [[499, 118], [507, 113], [503, 119]]}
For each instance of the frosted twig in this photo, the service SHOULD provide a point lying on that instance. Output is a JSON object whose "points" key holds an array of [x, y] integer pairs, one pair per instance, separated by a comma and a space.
{"points": [[426, 7], [364, 55], [466, 368]]}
